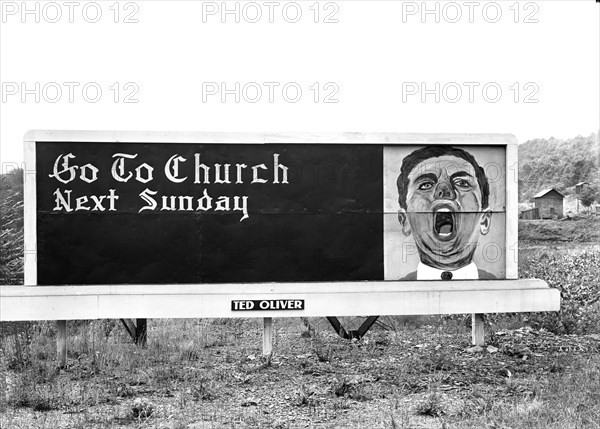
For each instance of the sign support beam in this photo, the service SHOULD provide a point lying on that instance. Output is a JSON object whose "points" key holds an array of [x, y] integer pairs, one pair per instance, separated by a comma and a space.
{"points": [[267, 336], [349, 335], [477, 329], [141, 332], [61, 343], [137, 330]]}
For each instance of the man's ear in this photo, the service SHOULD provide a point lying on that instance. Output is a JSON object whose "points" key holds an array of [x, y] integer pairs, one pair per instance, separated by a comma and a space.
{"points": [[485, 221], [403, 219]]}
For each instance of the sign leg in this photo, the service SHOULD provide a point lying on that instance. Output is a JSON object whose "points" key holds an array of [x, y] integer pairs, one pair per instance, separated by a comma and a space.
{"points": [[61, 343], [267, 336], [338, 327], [137, 330], [141, 332], [129, 327], [358, 333], [477, 329]]}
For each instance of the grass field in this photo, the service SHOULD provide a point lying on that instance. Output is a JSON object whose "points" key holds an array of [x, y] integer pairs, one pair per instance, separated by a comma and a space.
{"points": [[541, 371]]}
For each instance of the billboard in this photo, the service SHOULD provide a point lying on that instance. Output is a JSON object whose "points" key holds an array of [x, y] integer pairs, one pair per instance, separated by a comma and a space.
{"points": [[191, 209]]}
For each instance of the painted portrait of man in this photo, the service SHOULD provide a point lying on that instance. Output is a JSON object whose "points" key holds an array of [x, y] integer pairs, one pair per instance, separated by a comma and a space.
{"points": [[443, 211]]}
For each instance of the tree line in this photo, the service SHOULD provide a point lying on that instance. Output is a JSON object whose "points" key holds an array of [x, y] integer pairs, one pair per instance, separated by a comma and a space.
{"points": [[560, 164]]}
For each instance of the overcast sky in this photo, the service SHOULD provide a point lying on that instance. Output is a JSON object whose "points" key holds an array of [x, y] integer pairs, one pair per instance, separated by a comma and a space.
{"points": [[537, 77]]}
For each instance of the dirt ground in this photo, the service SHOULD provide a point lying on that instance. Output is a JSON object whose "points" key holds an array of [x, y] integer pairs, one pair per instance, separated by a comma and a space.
{"points": [[425, 375]]}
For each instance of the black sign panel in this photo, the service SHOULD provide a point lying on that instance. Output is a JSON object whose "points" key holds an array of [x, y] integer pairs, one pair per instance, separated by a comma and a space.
{"points": [[119, 213]]}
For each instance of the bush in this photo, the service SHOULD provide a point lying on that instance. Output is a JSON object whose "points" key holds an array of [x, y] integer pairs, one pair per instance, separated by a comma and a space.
{"points": [[576, 276]]}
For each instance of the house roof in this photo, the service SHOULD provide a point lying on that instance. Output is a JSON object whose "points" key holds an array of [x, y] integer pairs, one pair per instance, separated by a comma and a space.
{"points": [[545, 191]]}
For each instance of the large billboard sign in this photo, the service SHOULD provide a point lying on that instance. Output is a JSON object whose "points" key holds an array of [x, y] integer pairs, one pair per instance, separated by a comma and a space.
{"points": [[161, 225], [186, 225], [187, 210]]}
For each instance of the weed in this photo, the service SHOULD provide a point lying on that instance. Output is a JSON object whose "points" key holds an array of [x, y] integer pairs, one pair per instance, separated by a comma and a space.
{"points": [[142, 408], [27, 393], [320, 349], [303, 395], [123, 390], [323, 351], [342, 388], [400, 422], [202, 391], [438, 360], [358, 394], [189, 352], [310, 330], [351, 389], [432, 405], [280, 424]]}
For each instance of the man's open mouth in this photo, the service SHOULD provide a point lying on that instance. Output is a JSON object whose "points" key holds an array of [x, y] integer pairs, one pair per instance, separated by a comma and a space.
{"points": [[444, 224]]}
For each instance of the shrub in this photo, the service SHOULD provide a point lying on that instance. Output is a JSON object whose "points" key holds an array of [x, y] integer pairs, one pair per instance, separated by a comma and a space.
{"points": [[575, 274]]}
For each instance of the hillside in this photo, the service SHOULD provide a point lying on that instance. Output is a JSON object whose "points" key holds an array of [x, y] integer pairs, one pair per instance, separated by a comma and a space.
{"points": [[560, 164]]}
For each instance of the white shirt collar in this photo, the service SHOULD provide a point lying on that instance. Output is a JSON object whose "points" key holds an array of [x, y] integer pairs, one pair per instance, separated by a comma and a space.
{"points": [[468, 272]]}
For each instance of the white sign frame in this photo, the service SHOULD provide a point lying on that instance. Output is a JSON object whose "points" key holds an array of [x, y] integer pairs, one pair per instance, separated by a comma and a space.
{"points": [[509, 142]]}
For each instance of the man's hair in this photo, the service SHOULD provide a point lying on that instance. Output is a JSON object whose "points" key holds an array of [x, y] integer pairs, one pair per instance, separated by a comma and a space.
{"points": [[420, 155]]}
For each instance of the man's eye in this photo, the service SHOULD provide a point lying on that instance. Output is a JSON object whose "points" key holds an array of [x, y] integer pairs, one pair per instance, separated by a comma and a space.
{"points": [[462, 183], [425, 186]]}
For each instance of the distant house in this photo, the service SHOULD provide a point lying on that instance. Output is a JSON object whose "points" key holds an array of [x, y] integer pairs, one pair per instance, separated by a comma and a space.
{"points": [[549, 203]]}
